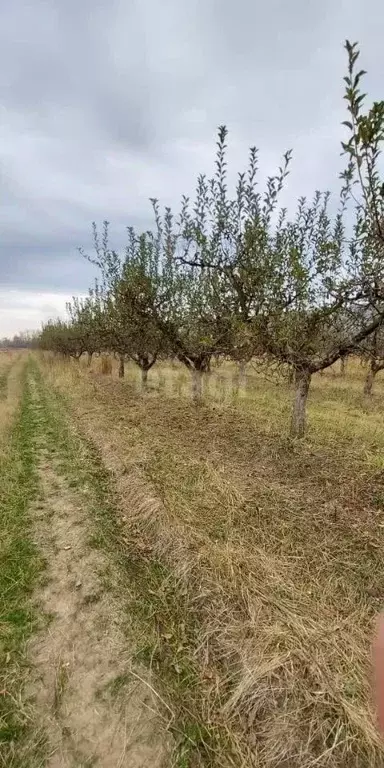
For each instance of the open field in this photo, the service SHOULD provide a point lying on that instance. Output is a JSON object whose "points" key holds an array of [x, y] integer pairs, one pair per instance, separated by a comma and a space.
{"points": [[243, 570]]}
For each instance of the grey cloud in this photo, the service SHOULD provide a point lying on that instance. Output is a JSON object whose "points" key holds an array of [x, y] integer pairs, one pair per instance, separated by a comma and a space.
{"points": [[104, 104]]}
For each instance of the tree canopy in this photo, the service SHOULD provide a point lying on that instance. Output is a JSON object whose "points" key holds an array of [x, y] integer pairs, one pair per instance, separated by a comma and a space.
{"points": [[235, 275]]}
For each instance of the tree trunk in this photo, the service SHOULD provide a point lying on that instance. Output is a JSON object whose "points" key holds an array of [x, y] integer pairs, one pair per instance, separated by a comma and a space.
{"points": [[370, 378], [197, 384], [242, 374], [342, 366], [144, 379], [302, 382], [121, 367], [89, 361]]}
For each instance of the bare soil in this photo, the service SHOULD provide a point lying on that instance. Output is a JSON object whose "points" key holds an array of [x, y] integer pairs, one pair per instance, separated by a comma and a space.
{"points": [[96, 708]]}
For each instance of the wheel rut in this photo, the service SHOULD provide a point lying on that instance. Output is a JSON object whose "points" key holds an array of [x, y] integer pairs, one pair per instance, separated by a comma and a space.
{"points": [[95, 709]]}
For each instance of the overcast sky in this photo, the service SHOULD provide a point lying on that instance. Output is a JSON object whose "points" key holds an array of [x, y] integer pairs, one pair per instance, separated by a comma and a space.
{"points": [[105, 103]]}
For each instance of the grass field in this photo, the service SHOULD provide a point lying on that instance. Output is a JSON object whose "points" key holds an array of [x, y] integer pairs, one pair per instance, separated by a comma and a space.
{"points": [[20, 563], [250, 565]]}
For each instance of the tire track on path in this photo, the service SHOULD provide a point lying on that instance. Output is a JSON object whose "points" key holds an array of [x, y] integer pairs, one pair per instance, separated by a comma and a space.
{"points": [[95, 710]]}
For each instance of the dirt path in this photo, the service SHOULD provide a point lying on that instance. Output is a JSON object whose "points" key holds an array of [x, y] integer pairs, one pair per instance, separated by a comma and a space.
{"points": [[95, 709]]}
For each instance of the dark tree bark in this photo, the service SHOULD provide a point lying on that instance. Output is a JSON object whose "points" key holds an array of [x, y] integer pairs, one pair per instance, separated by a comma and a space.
{"points": [[121, 367], [197, 365], [197, 384], [376, 363], [242, 374], [374, 368], [145, 363], [302, 382], [144, 379]]}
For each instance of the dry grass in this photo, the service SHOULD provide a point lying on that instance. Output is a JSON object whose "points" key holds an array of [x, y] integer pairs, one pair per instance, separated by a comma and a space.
{"points": [[277, 545], [106, 365], [11, 364]]}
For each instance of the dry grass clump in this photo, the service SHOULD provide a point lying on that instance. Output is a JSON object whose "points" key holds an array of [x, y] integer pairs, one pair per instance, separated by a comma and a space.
{"points": [[277, 548], [11, 364], [106, 365]]}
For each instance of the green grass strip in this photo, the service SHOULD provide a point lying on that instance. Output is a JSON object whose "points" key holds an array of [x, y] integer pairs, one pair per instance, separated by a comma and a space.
{"points": [[20, 563]]}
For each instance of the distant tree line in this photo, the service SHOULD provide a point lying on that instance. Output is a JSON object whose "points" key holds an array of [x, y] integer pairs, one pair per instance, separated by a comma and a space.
{"points": [[25, 340], [236, 276]]}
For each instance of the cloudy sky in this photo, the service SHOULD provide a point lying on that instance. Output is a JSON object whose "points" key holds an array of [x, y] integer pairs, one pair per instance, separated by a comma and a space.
{"points": [[105, 103]]}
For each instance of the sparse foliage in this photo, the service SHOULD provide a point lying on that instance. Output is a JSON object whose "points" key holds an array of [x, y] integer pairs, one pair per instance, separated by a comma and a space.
{"points": [[237, 276]]}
